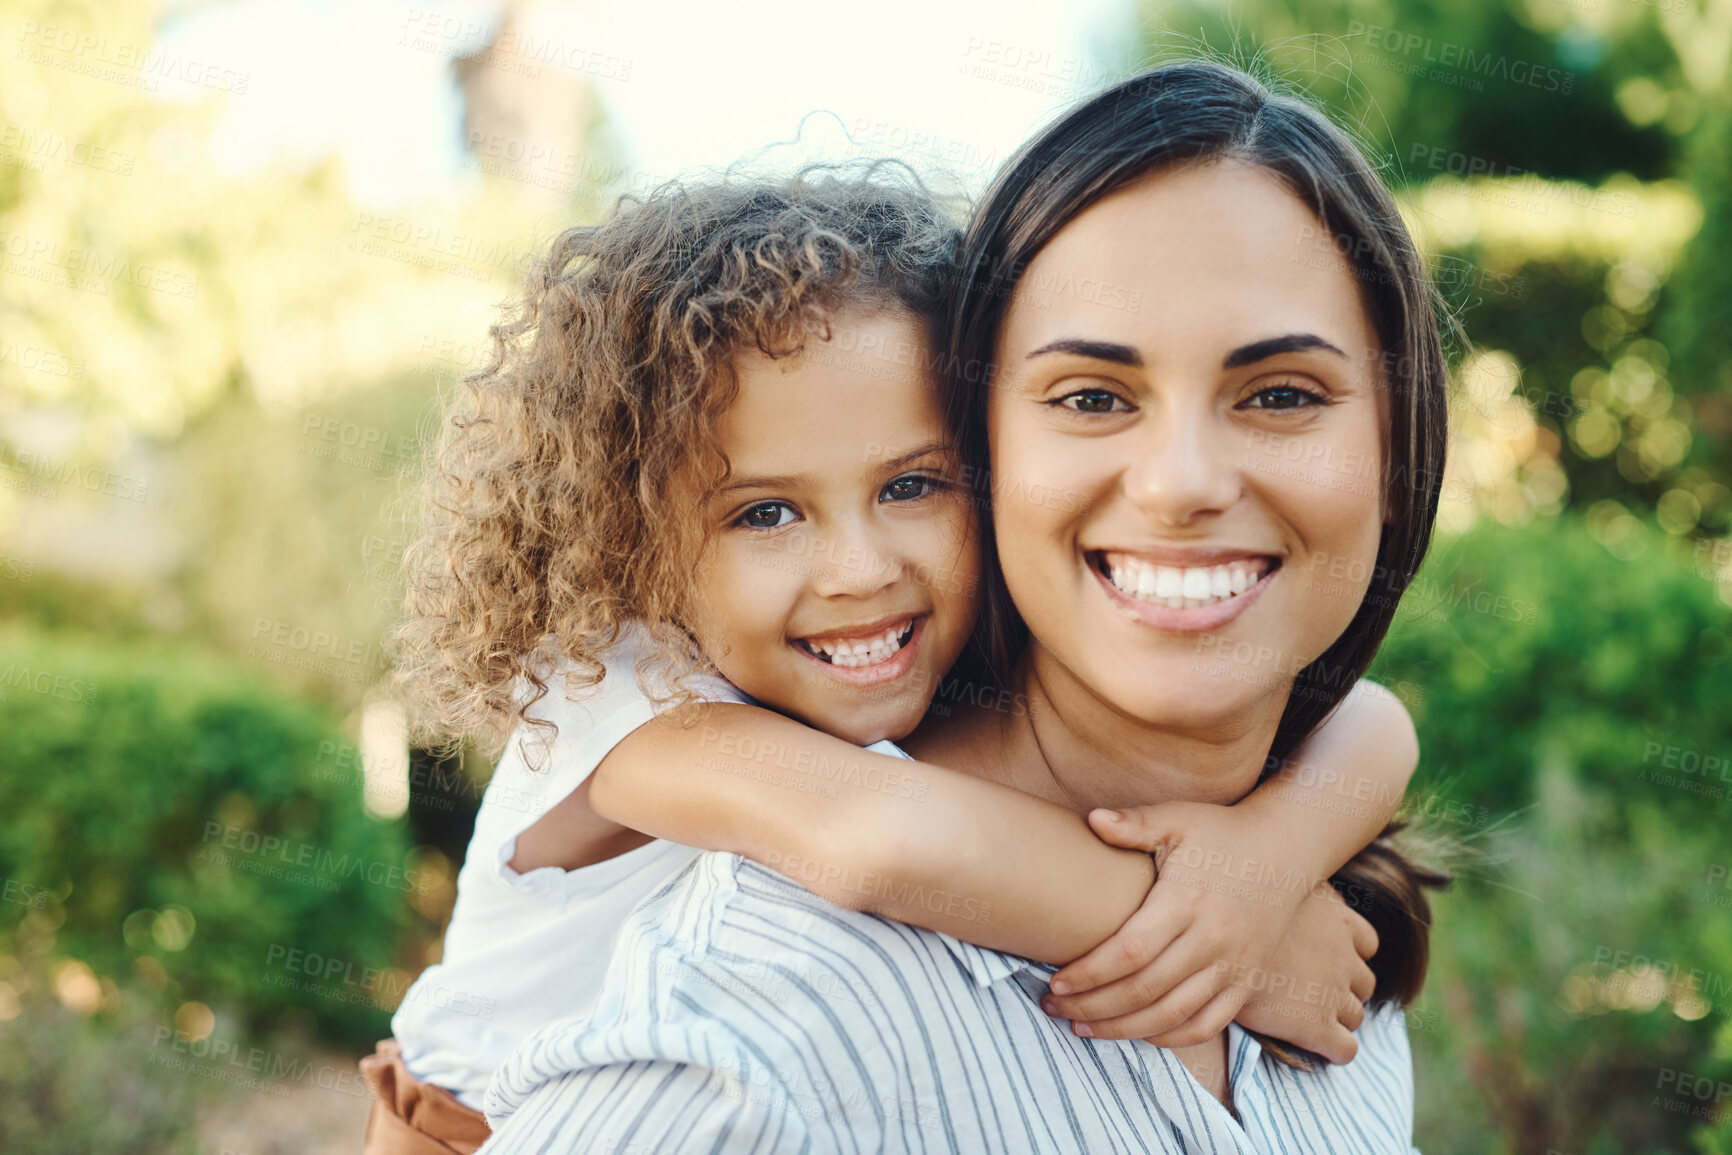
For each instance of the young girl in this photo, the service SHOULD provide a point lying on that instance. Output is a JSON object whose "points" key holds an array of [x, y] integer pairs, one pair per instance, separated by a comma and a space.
{"points": [[698, 539]]}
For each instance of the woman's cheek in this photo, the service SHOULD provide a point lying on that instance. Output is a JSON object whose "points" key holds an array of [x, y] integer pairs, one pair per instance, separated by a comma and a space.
{"points": [[1339, 517]]}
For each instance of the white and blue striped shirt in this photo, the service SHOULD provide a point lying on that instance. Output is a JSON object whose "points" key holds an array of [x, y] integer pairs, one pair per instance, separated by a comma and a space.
{"points": [[744, 1014]]}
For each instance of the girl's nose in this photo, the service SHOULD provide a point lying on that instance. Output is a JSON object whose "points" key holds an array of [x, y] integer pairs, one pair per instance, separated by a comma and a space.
{"points": [[856, 563]]}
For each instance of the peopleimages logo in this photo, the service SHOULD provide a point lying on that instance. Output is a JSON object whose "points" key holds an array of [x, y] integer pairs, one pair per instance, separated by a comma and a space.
{"points": [[1462, 62], [269, 849]]}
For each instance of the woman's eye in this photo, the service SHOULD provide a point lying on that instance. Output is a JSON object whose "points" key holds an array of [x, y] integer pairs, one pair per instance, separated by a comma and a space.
{"points": [[910, 487], [766, 515], [1091, 401], [1281, 397]]}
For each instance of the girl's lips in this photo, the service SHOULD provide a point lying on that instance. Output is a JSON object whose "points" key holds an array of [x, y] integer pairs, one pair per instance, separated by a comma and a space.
{"points": [[897, 665], [1197, 620]]}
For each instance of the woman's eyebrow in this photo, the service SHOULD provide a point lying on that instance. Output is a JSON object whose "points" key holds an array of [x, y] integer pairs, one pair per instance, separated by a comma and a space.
{"points": [[1098, 350], [1291, 343]]}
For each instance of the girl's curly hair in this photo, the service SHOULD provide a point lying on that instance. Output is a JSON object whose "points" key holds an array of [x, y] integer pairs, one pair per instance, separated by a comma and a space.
{"points": [[567, 493]]}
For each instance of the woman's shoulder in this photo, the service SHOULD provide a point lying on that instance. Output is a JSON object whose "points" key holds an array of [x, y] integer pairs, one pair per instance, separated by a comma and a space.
{"points": [[1371, 1097]]}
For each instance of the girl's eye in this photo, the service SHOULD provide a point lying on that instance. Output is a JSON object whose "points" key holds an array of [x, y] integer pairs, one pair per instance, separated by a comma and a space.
{"points": [[910, 487], [766, 515], [1093, 401], [1277, 398]]}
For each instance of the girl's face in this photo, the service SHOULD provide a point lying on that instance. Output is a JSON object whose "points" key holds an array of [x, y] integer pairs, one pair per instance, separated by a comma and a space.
{"points": [[1187, 468], [843, 577]]}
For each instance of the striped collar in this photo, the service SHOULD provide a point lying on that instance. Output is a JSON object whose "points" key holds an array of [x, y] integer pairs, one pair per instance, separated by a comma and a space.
{"points": [[985, 966]]}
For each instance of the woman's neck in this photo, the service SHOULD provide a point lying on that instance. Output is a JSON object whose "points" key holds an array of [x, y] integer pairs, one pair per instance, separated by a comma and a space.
{"points": [[1060, 741]]}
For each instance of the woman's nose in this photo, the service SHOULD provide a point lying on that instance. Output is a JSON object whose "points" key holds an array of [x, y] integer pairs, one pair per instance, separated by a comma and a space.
{"points": [[1185, 468]]}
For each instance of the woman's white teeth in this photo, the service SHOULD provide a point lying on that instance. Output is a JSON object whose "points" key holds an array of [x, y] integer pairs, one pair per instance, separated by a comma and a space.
{"points": [[1181, 587], [857, 652]]}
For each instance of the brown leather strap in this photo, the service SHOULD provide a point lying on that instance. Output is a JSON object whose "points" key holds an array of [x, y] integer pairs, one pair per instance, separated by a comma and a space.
{"points": [[410, 1117]]}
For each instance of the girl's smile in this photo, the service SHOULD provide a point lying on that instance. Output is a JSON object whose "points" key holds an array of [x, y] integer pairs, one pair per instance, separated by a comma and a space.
{"points": [[867, 656], [845, 556]]}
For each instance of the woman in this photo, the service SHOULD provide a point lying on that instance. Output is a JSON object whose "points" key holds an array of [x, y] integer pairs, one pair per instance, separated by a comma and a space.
{"points": [[1172, 295], [1168, 298]]}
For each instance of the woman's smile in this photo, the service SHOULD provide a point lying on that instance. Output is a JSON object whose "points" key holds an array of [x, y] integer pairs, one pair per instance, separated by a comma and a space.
{"points": [[1165, 427], [1183, 593]]}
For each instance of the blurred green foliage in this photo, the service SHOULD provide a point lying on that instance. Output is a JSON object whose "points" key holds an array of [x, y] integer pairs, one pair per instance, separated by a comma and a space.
{"points": [[1563, 672], [1541, 633], [1577, 748], [1522, 134], [180, 828], [72, 1084]]}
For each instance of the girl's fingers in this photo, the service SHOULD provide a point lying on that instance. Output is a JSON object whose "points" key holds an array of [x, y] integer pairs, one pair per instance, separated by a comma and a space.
{"points": [[1338, 1045], [1301, 1026], [1364, 935], [1364, 984], [1206, 1023], [1177, 986], [1137, 944], [1350, 1015], [1163, 1018], [1133, 828]]}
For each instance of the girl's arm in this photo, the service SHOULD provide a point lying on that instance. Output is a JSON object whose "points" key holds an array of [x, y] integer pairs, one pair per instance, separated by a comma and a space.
{"points": [[1003, 869], [907, 840], [1242, 876]]}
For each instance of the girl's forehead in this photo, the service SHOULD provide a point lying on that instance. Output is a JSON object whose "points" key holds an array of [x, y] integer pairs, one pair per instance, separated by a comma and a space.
{"points": [[845, 400]]}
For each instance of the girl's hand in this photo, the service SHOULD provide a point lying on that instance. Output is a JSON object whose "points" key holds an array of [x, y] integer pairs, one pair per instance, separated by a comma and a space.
{"points": [[1185, 964], [1319, 1000]]}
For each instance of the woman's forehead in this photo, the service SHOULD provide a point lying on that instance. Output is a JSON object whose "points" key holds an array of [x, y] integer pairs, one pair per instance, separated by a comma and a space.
{"points": [[1217, 255]]}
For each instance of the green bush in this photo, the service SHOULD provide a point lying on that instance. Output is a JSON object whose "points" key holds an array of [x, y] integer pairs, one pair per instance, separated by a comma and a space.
{"points": [[1522, 641], [72, 1084], [1569, 706], [187, 831]]}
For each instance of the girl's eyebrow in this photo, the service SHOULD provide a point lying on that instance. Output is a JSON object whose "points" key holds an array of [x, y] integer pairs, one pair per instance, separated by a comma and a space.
{"points": [[935, 446], [760, 483], [915, 454], [1274, 346]]}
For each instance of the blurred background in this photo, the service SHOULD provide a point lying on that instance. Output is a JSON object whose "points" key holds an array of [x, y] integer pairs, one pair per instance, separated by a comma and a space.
{"points": [[249, 247]]}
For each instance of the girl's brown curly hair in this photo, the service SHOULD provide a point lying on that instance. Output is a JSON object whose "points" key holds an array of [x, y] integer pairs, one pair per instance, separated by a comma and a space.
{"points": [[567, 492]]}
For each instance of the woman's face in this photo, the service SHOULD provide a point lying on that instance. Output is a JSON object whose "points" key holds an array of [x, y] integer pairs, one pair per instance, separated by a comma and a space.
{"points": [[1186, 430]]}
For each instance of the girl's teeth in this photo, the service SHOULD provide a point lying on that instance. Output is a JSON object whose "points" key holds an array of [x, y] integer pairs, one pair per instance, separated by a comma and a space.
{"points": [[1181, 588], [852, 655]]}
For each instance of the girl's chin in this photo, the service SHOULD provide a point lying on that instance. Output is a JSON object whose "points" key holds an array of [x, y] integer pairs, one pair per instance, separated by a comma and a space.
{"points": [[864, 723]]}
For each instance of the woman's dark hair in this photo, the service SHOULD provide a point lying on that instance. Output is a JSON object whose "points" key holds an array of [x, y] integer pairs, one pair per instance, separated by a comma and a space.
{"points": [[1200, 112]]}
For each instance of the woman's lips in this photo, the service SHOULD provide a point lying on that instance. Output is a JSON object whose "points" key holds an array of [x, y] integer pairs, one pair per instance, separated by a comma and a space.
{"points": [[877, 673], [1207, 597]]}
